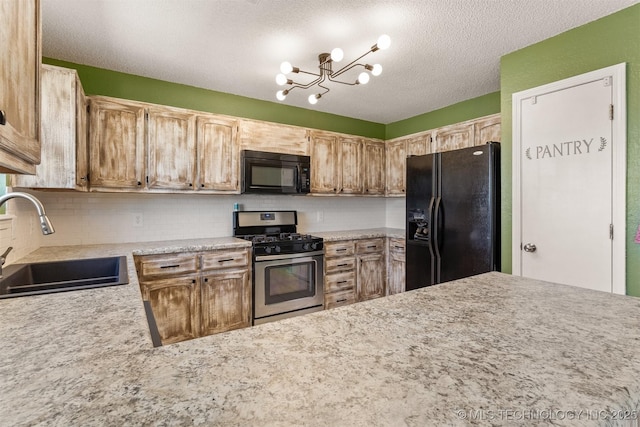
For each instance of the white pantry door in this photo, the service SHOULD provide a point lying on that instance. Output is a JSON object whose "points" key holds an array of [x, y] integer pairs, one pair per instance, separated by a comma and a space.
{"points": [[566, 168]]}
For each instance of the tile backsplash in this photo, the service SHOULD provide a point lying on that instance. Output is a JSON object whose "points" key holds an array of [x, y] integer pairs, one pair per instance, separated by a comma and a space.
{"points": [[96, 218]]}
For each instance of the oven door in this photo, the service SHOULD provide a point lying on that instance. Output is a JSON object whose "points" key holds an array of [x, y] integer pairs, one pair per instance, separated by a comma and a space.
{"points": [[287, 283]]}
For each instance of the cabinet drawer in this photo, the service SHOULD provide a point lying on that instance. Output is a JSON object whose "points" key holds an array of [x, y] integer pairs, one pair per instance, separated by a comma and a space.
{"points": [[369, 245], [396, 245], [224, 259], [165, 265], [333, 249], [333, 265], [340, 282], [340, 298]]}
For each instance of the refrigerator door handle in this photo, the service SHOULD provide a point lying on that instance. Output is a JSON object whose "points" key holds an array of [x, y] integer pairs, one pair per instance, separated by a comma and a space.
{"points": [[436, 236], [432, 250]]}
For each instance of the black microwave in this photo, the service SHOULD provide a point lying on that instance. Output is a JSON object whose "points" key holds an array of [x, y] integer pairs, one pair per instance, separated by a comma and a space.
{"points": [[275, 173]]}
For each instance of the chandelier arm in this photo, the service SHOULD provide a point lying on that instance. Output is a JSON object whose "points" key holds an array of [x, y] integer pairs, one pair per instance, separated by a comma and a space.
{"points": [[307, 72], [344, 83], [308, 85], [323, 87], [345, 69], [350, 65]]}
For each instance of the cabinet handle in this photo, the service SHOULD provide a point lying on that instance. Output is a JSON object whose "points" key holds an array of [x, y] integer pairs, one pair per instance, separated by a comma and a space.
{"points": [[225, 260], [341, 300], [206, 279], [3, 118], [342, 281], [399, 247], [372, 247], [342, 265], [170, 266], [341, 250], [193, 281]]}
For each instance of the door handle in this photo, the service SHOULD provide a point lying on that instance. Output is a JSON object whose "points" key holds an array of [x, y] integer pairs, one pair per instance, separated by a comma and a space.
{"points": [[529, 247]]}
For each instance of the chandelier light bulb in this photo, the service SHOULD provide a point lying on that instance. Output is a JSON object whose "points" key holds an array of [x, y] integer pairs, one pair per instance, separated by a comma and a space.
{"points": [[363, 78], [337, 54], [281, 79], [313, 99], [384, 41], [280, 95], [376, 70], [286, 67]]}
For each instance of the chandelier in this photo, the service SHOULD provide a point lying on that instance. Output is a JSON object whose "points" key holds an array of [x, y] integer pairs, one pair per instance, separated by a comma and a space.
{"points": [[326, 71]]}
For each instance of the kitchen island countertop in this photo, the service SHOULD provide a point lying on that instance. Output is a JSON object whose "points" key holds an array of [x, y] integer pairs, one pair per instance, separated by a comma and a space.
{"points": [[495, 348]]}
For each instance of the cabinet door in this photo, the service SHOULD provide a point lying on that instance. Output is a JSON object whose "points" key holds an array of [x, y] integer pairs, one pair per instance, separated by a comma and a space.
{"points": [[371, 276], [487, 130], [419, 145], [396, 167], [324, 167], [349, 150], [20, 85], [217, 153], [63, 135], [454, 137], [225, 301], [175, 307], [116, 148], [396, 276], [172, 149], [373, 167]]}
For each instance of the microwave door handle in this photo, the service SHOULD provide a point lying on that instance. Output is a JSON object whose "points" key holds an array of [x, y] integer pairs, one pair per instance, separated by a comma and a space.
{"points": [[298, 179]]}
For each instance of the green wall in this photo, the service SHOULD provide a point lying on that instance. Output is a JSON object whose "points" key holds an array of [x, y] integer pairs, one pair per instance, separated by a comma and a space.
{"points": [[98, 81], [460, 112], [602, 43]]}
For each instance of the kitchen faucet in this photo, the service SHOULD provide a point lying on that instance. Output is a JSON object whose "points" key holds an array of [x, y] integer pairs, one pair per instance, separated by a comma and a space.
{"points": [[45, 224]]}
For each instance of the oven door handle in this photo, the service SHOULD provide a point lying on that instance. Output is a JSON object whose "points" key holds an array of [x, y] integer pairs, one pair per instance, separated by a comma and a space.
{"points": [[287, 256]]}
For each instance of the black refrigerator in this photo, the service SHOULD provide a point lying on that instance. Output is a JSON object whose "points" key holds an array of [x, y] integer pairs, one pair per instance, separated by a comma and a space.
{"points": [[453, 215]]}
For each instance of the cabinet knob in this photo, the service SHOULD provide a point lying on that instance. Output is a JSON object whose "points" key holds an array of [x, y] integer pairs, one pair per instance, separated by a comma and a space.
{"points": [[3, 118], [202, 185], [190, 185], [139, 183]]}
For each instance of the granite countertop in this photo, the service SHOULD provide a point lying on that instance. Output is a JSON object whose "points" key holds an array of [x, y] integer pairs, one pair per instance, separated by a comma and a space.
{"points": [[494, 347], [367, 233]]}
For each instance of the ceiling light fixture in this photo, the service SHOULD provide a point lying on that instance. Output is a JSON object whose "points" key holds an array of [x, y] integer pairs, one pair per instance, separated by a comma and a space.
{"points": [[326, 72]]}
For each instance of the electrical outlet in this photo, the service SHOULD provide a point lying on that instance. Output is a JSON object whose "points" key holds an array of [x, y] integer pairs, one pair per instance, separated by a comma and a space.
{"points": [[138, 220], [320, 216]]}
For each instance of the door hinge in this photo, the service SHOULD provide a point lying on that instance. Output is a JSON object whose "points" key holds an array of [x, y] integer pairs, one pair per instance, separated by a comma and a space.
{"points": [[610, 111], [611, 231]]}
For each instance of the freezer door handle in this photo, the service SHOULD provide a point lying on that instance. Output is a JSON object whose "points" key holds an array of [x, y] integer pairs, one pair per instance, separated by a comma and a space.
{"points": [[436, 238]]}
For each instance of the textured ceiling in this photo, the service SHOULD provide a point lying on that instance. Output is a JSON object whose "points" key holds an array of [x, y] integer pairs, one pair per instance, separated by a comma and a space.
{"points": [[442, 51]]}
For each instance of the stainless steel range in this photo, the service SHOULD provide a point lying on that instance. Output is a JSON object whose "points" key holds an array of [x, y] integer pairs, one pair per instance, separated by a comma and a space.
{"points": [[288, 270]]}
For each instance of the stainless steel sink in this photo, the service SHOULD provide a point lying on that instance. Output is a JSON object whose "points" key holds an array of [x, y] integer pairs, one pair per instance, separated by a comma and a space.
{"points": [[60, 276]]}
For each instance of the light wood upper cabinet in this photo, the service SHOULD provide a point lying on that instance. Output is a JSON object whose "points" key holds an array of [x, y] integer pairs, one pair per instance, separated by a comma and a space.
{"points": [[116, 144], [20, 32], [419, 145], [454, 137], [172, 149], [487, 130], [65, 160], [324, 166], [396, 156], [373, 166], [217, 153], [349, 158], [273, 137]]}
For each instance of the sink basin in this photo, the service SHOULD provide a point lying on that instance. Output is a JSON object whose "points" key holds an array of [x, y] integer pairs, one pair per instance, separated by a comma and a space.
{"points": [[60, 276]]}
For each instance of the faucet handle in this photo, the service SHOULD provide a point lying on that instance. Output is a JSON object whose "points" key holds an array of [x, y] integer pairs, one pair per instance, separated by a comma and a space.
{"points": [[3, 257]]}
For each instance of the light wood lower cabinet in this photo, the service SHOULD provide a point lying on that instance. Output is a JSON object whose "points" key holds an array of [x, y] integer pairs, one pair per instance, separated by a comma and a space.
{"points": [[198, 293], [371, 268], [396, 266], [340, 273]]}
